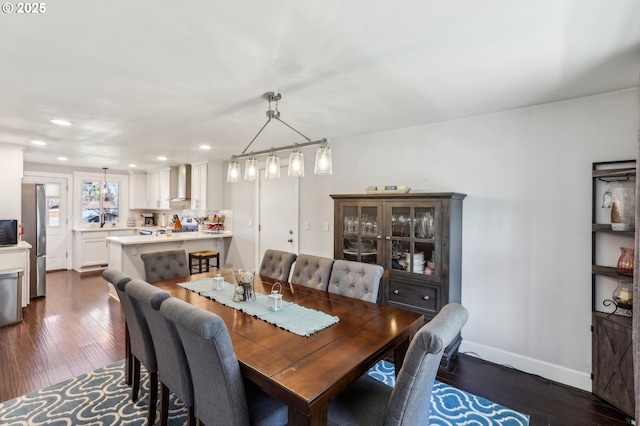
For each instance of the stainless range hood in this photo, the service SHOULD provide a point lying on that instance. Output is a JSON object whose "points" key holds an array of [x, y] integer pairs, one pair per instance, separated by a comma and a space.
{"points": [[180, 186]]}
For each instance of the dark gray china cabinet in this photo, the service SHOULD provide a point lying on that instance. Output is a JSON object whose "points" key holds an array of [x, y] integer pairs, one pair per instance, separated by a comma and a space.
{"points": [[415, 237], [612, 354]]}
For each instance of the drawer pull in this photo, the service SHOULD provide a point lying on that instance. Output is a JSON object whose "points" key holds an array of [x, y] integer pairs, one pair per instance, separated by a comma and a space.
{"points": [[396, 291], [425, 297]]}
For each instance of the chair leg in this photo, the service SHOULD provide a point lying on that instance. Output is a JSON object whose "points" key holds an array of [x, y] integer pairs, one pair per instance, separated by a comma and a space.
{"points": [[153, 397], [135, 389], [128, 364], [164, 404], [191, 416]]}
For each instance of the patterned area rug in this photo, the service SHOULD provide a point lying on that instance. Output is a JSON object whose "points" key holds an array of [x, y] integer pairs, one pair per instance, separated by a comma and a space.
{"points": [[101, 398]]}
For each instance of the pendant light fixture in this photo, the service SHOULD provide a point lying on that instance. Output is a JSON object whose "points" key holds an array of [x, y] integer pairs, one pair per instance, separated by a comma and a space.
{"points": [[233, 171], [323, 164], [103, 194], [251, 169], [296, 163], [272, 168]]}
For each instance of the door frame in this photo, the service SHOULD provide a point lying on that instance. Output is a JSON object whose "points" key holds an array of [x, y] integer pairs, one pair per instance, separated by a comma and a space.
{"points": [[258, 193], [47, 177]]}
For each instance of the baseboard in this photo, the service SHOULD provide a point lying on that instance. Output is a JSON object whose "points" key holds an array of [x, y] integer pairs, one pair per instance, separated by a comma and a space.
{"points": [[89, 269], [556, 373]]}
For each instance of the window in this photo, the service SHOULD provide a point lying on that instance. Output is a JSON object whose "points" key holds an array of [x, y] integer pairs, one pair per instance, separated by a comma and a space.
{"points": [[52, 191], [98, 199], [95, 201]]}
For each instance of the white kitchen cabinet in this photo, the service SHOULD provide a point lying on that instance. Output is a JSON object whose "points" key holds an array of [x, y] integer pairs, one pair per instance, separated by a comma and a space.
{"points": [[138, 190], [17, 257], [199, 186], [94, 250], [158, 187], [91, 249]]}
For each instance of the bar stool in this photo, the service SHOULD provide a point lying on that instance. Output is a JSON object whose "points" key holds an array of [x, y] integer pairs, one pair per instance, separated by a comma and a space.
{"points": [[202, 261]]}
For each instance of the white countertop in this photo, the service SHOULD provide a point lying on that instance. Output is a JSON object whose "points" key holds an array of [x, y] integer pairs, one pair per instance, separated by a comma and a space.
{"points": [[177, 236], [109, 228], [22, 245]]}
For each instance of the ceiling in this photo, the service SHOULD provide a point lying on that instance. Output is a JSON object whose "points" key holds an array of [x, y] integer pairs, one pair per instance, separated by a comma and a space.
{"points": [[148, 78]]}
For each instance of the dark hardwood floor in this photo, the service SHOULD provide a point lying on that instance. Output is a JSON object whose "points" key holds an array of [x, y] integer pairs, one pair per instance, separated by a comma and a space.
{"points": [[77, 327]]}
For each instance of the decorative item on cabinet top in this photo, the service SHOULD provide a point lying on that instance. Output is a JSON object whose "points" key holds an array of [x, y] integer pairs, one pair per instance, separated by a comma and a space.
{"points": [[625, 261], [623, 208], [389, 189]]}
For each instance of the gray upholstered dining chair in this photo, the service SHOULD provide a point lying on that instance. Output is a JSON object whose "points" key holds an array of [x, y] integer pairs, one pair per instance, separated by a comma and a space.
{"points": [[142, 349], [114, 277], [276, 264], [355, 279], [165, 265], [173, 371], [368, 401], [221, 395], [312, 271]]}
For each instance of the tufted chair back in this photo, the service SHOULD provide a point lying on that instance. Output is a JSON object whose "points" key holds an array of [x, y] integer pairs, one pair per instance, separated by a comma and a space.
{"points": [[368, 401], [220, 394], [141, 346], [173, 368], [355, 279], [165, 265], [312, 271], [276, 264]]}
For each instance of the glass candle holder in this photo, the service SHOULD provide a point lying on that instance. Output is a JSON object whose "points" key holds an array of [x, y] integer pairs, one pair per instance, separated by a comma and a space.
{"points": [[623, 294]]}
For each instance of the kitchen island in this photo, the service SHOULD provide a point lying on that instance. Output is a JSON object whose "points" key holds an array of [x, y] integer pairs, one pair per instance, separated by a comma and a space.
{"points": [[124, 252]]}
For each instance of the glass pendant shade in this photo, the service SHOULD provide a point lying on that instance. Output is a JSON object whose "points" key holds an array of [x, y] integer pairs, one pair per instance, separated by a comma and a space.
{"points": [[251, 169], [296, 164], [324, 164], [272, 170], [233, 171]]}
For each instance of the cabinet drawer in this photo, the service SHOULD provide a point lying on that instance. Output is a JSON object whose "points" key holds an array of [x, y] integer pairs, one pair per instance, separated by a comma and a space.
{"points": [[90, 235], [423, 297]]}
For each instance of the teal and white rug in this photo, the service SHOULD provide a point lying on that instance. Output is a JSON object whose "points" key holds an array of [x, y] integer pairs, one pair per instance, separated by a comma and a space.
{"points": [[101, 398]]}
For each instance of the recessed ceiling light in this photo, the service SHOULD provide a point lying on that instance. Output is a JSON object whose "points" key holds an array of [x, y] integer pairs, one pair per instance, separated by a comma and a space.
{"points": [[132, 165], [205, 147], [60, 122], [162, 158], [62, 158], [40, 143]]}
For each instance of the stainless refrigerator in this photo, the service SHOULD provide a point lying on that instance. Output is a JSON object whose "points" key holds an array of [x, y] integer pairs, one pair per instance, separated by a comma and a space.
{"points": [[34, 216]]}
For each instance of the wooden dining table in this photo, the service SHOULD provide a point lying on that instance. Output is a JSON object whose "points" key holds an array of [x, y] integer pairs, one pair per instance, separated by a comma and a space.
{"points": [[305, 373]]}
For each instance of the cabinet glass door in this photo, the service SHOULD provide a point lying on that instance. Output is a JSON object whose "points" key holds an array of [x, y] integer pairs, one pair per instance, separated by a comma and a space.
{"points": [[413, 235], [360, 234]]}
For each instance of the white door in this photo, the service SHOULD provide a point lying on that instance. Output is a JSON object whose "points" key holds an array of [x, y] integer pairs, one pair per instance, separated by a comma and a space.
{"points": [[58, 235], [278, 214]]}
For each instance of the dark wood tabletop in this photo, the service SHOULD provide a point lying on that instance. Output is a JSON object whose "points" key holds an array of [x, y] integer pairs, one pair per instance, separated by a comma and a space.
{"points": [[307, 372]]}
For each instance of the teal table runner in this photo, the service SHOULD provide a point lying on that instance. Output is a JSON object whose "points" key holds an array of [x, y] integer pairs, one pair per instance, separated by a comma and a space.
{"points": [[292, 317]]}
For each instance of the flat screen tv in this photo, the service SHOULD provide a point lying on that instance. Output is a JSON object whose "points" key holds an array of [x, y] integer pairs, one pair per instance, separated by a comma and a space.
{"points": [[8, 232]]}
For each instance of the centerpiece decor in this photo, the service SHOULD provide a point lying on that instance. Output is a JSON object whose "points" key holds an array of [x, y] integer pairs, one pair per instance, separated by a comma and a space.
{"points": [[244, 286]]}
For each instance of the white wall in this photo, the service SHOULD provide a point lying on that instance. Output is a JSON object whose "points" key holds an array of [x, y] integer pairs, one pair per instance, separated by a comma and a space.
{"points": [[526, 222], [11, 186]]}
